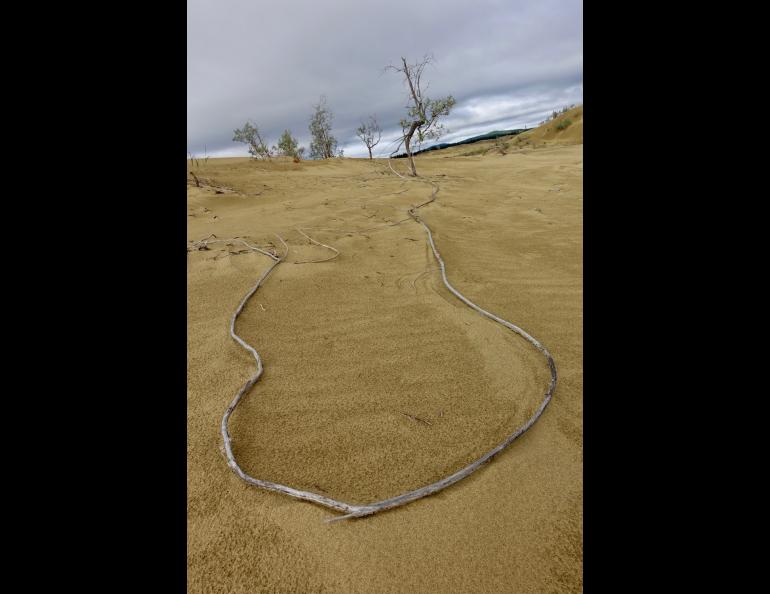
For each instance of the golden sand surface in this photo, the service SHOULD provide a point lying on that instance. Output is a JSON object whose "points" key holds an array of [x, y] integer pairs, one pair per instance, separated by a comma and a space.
{"points": [[378, 380]]}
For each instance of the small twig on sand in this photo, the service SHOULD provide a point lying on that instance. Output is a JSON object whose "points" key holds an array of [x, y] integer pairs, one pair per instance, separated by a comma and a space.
{"points": [[335, 250], [418, 419], [207, 183], [202, 244]]}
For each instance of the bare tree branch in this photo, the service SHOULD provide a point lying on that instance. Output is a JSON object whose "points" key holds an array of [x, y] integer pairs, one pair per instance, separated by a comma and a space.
{"points": [[367, 132], [423, 113]]}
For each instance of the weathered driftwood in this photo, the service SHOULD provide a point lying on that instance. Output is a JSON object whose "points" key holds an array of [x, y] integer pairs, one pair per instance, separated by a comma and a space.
{"points": [[356, 511], [335, 250]]}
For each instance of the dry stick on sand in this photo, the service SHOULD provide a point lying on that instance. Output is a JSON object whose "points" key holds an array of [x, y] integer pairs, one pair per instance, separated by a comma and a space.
{"points": [[208, 184], [203, 244], [335, 250], [418, 419], [357, 511]]}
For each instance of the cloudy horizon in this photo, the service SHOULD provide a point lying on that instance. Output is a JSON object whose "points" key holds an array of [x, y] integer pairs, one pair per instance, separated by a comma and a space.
{"points": [[507, 65]]}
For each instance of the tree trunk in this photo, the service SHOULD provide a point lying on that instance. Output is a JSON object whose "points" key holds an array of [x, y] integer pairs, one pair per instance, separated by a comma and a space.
{"points": [[409, 154], [408, 142], [370, 152]]}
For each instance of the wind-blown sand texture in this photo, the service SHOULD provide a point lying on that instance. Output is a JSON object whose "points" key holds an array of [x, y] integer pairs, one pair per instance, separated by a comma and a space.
{"points": [[377, 380]]}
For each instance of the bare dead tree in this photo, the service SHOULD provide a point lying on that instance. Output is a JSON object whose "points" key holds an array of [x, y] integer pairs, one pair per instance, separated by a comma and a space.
{"points": [[423, 113], [367, 132]]}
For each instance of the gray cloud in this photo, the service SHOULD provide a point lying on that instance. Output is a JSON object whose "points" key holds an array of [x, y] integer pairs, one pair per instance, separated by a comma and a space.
{"points": [[507, 63]]}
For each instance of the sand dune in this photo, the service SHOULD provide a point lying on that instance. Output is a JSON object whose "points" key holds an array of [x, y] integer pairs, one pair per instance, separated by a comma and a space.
{"points": [[377, 380]]}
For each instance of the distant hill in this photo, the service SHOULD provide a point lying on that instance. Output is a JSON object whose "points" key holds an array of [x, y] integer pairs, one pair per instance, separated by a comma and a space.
{"points": [[471, 140], [566, 128]]}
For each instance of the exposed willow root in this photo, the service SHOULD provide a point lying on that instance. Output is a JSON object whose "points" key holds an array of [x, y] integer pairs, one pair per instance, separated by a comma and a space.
{"points": [[357, 511], [335, 250]]}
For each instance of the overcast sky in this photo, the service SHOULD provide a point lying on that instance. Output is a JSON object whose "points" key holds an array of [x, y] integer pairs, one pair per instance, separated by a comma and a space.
{"points": [[508, 63]]}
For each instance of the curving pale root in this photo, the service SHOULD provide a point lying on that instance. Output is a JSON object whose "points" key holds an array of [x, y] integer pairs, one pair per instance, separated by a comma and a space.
{"points": [[335, 250], [357, 511]]}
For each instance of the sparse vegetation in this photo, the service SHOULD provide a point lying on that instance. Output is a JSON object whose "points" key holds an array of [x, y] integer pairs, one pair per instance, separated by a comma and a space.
{"points": [[474, 152], [422, 123], [423, 113], [251, 136], [323, 145], [367, 132], [556, 113], [289, 147]]}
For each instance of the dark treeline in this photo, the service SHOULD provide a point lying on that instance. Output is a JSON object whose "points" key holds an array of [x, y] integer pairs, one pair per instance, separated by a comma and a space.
{"points": [[487, 136]]}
